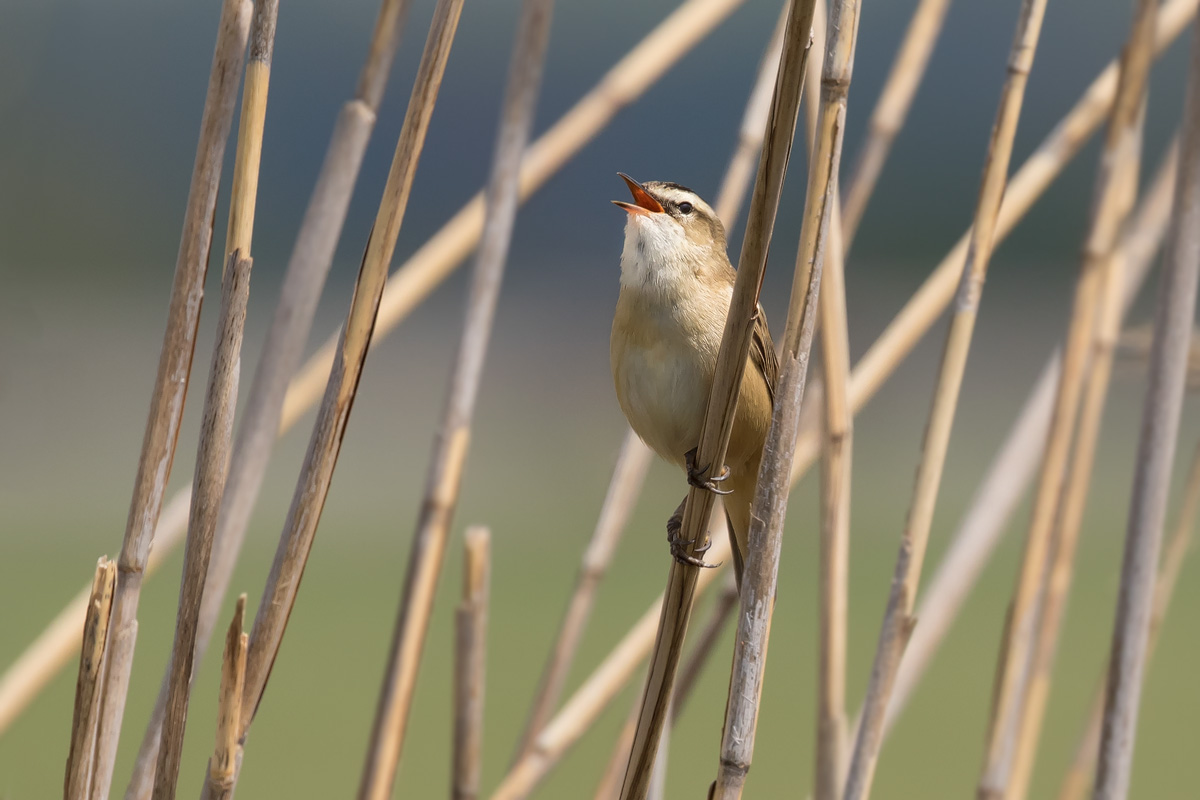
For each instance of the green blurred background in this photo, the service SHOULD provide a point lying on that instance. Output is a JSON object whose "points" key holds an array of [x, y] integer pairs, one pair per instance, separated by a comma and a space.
{"points": [[99, 106]]}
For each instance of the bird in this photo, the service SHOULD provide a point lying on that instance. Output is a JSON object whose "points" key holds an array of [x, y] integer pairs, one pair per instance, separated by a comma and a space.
{"points": [[676, 285]]}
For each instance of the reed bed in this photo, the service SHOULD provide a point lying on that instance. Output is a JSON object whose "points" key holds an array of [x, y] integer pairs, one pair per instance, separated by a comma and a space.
{"points": [[1057, 433]]}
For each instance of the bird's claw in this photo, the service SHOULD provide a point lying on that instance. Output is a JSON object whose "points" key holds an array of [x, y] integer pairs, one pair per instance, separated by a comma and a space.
{"points": [[679, 545], [697, 476]]}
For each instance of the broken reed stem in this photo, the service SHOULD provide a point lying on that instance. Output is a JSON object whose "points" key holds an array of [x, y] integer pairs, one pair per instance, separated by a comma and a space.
{"points": [[623, 490], [1056, 582], [585, 705], [1079, 775], [1110, 206], [227, 754], [898, 620], [450, 449], [723, 395], [1027, 185], [470, 661], [636, 72], [295, 542], [629, 473], [78, 782], [311, 258], [171, 382], [769, 510], [212, 463], [1173, 322], [1011, 472], [890, 111]]}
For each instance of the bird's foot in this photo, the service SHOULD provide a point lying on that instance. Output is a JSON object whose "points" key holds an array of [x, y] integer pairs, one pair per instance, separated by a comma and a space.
{"points": [[698, 476], [679, 545]]}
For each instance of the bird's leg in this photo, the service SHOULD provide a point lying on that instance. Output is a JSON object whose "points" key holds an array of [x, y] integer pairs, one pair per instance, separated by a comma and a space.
{"points": [[679, 545], [696, 476]]}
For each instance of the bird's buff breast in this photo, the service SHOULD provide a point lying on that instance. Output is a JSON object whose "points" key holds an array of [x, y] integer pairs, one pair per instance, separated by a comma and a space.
{"points": [[661, 378]]}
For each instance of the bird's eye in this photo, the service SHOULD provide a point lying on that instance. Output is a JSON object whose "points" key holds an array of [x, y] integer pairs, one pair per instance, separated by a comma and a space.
{"points": [[685, 207]]}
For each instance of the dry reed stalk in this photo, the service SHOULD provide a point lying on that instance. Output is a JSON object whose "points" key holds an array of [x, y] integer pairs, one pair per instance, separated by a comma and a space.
{"points": [[1160, 424], [171, 382], [226, 758], [890, 111], [1056, 582], [834, 558], [78, 782], [898, 620], [583, 707], [470, 661], [610, 782], [623, 490], [1027, 185], [837, 447], [706, 643], [312, 486], [1079, 775], [757, 601], [1011, 471], [665, 45], [47, 654], [308, 266], [212, 463], [212, 460], [1110, 206], [629, 472], [722, 400], [444, 477]]}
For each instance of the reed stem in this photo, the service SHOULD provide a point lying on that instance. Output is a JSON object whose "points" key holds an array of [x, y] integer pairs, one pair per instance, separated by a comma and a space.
{"points": [[898, 619], [1156, 450], [312, 485], [212, 464], [80, 757], [891, 109], [1110, 207], [450, 450], [1079, 775], [470, 663], [171, 382], [227, 754]]}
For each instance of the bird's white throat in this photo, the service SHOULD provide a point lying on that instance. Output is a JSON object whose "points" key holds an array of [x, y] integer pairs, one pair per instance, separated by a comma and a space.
{"points": [[657, 255]]}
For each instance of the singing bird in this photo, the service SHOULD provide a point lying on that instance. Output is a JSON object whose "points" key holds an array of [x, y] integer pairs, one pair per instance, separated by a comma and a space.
{"points": [[676, 286]]}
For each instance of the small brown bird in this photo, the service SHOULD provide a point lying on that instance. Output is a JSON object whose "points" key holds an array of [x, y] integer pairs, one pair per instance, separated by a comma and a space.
{"points": [[676, 286]]}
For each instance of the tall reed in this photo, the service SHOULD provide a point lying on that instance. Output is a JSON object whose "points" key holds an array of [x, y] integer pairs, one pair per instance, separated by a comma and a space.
{"points": [[898, 620], [1173, 321], [450, 449], [171, 382]]}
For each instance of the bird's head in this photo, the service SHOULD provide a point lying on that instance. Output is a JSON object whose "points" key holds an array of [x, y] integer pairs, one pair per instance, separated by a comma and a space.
{"points": [[669, 228]]}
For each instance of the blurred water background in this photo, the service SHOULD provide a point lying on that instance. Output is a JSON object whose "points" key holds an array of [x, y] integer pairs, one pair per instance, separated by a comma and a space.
{"points": [[99, 107]]}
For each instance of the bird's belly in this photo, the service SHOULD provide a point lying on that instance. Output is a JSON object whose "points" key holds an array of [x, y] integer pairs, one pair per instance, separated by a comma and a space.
{"points": [[663, 395]]}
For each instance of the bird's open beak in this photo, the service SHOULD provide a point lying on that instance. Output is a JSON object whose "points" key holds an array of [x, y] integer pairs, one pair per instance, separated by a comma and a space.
{"points": [[645, 203]]}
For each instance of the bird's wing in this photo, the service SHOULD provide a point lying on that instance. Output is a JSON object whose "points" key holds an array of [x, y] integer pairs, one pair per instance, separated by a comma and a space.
{"points": [[762, 353]]}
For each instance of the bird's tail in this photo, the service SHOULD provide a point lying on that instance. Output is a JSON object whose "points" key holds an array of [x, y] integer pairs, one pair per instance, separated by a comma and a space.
{"points": [[737, 513]]}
